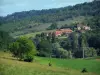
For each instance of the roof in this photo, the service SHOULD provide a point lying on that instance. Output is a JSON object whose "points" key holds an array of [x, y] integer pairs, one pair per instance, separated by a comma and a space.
{"points": [[66, 30]]}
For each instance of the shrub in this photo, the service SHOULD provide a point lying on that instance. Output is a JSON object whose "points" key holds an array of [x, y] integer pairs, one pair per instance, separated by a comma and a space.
{"points": [[28, 59], [50, 64], [90, 52], [61, 53], [84, 70]]}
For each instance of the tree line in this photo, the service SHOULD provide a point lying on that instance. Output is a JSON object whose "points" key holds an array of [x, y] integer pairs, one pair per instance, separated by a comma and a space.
{"points": [[72, 46], [53, 15]]}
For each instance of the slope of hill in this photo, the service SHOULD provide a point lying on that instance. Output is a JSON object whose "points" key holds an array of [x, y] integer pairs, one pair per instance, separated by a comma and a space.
{"points": [[58, 14], [11, 66], [17, 29], [37, 20]]}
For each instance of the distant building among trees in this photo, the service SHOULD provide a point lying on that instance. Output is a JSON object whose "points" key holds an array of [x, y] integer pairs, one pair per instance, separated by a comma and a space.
{"points": [[83, 27]]}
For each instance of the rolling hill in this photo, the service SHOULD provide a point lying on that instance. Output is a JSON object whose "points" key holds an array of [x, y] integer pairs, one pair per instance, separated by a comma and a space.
{"points": [[25, 22]]}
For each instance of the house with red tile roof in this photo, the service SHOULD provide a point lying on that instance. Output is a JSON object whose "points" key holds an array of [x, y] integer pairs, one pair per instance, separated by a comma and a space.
{"points": [[63, 31], [58, 32]]}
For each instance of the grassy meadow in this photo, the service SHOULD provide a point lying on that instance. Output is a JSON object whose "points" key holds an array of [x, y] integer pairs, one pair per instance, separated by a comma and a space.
{"points": [[33, 34], [90, 64], [11, 66]]}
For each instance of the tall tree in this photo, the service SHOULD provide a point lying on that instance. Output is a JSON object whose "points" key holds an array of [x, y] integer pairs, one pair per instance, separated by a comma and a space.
{"points": [[5, 39], [53, 38], [75, 44], [83, 44], [45, 48], [23, 48]]}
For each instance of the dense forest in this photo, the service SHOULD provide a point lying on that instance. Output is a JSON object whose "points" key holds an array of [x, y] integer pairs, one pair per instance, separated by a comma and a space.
{"points": [[58, 14]]}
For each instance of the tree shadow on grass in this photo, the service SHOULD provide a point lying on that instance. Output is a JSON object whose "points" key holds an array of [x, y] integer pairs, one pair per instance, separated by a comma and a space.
{"points": [[10, 58]]}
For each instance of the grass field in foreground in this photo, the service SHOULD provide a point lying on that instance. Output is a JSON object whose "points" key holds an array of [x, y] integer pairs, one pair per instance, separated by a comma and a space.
{"points": [[11, 66], [92, 65]]}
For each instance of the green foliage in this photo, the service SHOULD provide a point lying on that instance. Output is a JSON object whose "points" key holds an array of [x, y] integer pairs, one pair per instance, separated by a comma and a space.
{"points": [[32, 21], [53, 15], [44, 43], [66, 44], [71, 26], [75, 44], [93, 35], [23, 48], [84, 70], [70, 54], [29, 57], [83, 40], [62, 53], [90, 52], [45, 48], [93, 22], [14, 48], [52, 26], [56, 46], [5, 39], [17, 29], [94, 40], [53, 38]]}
